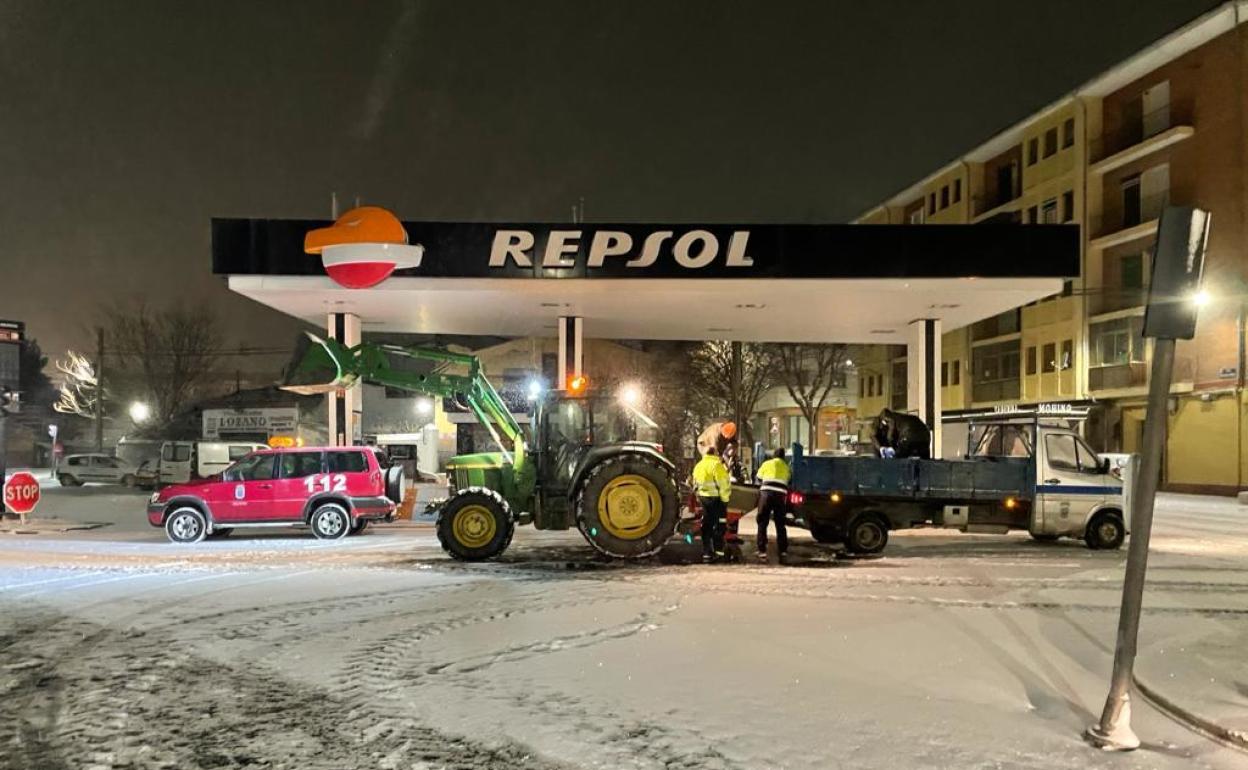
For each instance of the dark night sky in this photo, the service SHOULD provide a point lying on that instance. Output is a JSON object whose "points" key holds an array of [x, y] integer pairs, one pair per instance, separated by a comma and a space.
{"points": [[125, 126]]}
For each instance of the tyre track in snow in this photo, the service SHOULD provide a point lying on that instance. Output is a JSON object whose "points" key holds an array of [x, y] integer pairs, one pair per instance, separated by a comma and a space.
{"points": [[142, 700]]}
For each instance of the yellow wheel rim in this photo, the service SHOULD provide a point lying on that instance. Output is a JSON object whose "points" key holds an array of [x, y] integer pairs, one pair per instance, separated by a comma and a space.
{"points": [[630, 507], [474, 526]]}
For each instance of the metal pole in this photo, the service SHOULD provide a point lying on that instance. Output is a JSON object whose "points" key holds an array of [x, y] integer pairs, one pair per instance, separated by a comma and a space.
{"points": [[4, 421], [99, 389], [1114, 730]]}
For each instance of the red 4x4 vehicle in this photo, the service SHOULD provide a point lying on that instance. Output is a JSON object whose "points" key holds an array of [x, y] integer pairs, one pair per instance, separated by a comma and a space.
{"points": [[333, 490]]}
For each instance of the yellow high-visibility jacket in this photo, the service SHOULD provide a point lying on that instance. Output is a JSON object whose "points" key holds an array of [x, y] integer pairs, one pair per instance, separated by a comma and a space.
{"points": [[773, 475], [711, 477]]}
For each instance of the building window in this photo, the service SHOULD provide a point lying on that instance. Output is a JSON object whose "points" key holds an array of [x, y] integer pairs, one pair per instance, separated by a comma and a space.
{"points": [[1033, 151], [1068, 133], [944, 374], [1068, 355], [1033, 215], [957, 371], [862, 387], [931, 202], [1068, 206], [915, 217], [1117, 342], [898, 400], [1048, 212], [944, 197], [995, 371], [1048, 364], [1050, 142], [957, 190], [1031, 359]]}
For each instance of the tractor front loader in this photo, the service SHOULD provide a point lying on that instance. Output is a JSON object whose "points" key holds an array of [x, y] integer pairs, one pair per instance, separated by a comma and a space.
{"points": [[584, 467]]}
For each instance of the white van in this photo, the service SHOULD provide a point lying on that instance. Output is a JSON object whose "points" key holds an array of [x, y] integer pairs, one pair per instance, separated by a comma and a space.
{"points": [[181, 461]]}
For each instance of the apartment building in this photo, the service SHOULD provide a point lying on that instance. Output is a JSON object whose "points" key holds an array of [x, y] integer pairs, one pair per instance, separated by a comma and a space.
{"points": [[1165, 126]]}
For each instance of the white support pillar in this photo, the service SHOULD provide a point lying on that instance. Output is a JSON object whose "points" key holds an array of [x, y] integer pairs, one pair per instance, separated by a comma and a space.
{"points": [[345, 407], [571, 349], [923, 375]]}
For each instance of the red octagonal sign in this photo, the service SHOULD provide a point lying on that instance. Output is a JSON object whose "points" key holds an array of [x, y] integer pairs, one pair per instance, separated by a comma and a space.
{"points": [[21, 493]]}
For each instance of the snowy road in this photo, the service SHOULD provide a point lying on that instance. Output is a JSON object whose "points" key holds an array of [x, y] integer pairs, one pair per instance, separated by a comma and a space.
{"points": [[119, 650]]}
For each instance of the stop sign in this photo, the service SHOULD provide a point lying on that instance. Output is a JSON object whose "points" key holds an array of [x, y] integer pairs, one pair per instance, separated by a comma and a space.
{"points": [[21, 493]]}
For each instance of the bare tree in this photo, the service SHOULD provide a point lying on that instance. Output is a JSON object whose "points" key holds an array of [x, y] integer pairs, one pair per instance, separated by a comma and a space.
{"points": [[729, 379], [170, 353], [80, 388], [810, 372]]}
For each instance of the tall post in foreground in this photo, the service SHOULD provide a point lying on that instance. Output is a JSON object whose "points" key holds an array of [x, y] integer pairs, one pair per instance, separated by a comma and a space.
{"points": [[99, 389], [1174, 295]]}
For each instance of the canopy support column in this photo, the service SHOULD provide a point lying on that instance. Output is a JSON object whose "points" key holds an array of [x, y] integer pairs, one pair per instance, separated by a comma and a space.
{"points": [[571, 349], [923, 375], [345, 406]]}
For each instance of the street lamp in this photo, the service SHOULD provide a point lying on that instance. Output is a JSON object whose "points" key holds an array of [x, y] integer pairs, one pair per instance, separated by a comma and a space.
{"points": [[535, 390], [424, 406], [139, 412], [1202, 298], [630, 394]]}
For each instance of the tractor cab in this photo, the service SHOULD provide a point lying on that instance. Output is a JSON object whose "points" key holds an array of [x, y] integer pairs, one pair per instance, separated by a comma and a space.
{"points": [[570, 431]]}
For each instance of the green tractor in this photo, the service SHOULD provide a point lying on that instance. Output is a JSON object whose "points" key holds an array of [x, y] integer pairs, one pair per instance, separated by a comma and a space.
{"points": [[583, 466]]}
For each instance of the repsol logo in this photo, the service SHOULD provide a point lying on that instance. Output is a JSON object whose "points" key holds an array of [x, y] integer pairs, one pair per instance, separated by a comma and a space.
{"points": [[692, 249]]}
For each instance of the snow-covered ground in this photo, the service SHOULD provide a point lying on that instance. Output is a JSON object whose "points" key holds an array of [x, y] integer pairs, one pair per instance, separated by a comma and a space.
{"points": [[276, 650]]}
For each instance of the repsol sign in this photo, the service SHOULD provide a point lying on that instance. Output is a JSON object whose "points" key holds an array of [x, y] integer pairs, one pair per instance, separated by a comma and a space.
{"points": [[694, 249], [689, 251]]}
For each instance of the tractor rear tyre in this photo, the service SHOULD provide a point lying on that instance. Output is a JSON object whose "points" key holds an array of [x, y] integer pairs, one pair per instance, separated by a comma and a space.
{"points": [[627, 506], [476, 524]]}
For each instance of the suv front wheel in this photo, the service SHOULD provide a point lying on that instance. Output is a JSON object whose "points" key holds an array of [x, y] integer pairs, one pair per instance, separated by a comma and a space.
{"points": [[330, 521], [186, 525]]}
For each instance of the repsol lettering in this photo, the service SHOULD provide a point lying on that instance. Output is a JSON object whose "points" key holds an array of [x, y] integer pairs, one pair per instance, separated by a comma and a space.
{"points": [[690, 249]]}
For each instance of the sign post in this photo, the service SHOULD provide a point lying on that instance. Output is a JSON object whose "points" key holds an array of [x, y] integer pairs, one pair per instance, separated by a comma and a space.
{"points": [[21, 493], [1174, 296]]}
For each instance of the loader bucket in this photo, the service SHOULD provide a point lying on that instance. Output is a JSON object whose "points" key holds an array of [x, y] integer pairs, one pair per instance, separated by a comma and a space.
{"points": [[327, 365]]}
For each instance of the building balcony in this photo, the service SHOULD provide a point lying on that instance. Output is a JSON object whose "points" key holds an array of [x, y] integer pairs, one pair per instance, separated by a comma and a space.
{"points": [[996, 390], [1133, 374], [1134, 220], [986, 207], [1139, 138]]}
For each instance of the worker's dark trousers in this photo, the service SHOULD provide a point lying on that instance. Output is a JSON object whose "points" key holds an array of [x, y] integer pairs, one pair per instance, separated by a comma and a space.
{"points": [[714, 519], [771, 505]]}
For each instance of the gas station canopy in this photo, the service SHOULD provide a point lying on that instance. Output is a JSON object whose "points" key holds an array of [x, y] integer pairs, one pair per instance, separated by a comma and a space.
{"points": [[780, 283]]}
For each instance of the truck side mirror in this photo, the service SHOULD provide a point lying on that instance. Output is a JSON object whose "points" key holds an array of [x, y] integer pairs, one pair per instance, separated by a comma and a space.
{"points": [[1104, 466]]}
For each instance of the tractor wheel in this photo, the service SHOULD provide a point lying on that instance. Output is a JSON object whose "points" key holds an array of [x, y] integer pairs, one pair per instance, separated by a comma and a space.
{"points": [[627, 507], [475, 525]]}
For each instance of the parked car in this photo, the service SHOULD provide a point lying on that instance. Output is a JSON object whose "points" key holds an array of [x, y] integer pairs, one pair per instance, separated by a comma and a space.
{"points": [[76, 470], [333, 490], [183, 461]]}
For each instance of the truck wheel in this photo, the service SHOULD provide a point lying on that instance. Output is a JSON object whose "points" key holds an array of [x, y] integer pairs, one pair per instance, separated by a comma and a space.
{"points": [[866, 535], [475, 525], [330, 521], [823, 533], [626, 507], [1044, 537], [1105, 531], [186, 525]]}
